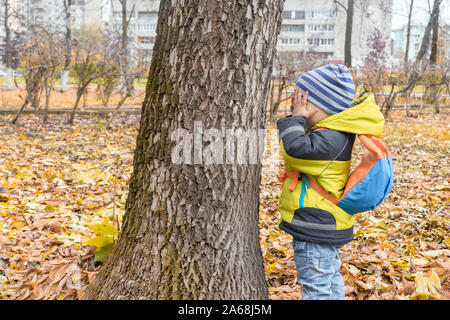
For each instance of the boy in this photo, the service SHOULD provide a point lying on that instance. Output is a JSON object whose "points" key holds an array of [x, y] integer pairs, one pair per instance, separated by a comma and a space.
{"points": [[316, 143]]}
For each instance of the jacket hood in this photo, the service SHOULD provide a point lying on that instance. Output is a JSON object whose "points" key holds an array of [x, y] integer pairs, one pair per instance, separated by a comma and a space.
{"points": [[364, 117]]}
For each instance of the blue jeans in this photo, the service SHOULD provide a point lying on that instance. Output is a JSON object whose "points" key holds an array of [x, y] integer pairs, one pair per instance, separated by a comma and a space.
{"points": [[318, 270]]}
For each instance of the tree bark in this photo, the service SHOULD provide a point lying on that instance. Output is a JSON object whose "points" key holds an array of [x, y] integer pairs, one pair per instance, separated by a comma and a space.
{"points": [[190, 230], [408, 32], [348, 34]]}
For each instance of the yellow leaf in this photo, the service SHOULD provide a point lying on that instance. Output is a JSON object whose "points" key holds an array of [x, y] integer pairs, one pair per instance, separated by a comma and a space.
{"points": [[421, 283], [19, 224], [434, 253], [427, 286], [49, 208], [447, 241], [104, 229], [100, 241], [104, 212], [434, 282]]}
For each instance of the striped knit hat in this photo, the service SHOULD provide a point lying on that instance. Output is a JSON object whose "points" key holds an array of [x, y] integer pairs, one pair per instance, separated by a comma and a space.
{"points": [[330, 87]]}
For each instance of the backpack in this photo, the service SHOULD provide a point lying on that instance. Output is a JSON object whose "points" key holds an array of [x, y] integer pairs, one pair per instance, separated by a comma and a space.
{"points": [[369, 184]]}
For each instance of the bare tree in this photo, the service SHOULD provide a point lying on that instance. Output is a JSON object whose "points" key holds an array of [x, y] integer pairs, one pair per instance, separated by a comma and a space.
{"points": [[91, 62], [33, 73], [127, 78], [430, 26], [408, 31], [51, 52], [434, 40], [349, 9], [6, 24], [10, 15]]}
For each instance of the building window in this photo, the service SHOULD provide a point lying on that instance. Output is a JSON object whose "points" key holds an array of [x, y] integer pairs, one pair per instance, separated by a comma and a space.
{"points": [[291, 40], [322, 14], [146, 27], [313, 41], [293, 27], [286, 15], [147, 14], [299, 14], [326, 42], [118, 14], [295, 40], [321, 27]]}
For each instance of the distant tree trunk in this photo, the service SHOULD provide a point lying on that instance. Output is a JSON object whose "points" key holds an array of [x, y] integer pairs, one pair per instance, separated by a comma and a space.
{"points": [[47, 100], [430, 26], [436, 99], [124, 51], [126, 79], [68, 40], [9, 83], [122, 100], [434, 40], [36, 100], [408, 32], [22, 107], [423, 101], [80, 92], [348, 34], [190, 230]]}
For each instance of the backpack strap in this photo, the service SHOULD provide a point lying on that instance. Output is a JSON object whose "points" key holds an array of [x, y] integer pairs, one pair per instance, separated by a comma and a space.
{"points": [[374, 145], [290, 174], [322, 191]]}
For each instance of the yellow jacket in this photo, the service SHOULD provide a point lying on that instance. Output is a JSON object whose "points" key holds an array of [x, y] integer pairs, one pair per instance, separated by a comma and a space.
{"points": [[324, 156]]}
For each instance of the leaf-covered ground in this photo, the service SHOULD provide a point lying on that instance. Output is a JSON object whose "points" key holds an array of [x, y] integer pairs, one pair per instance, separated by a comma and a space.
{"points": [[62, 186]]}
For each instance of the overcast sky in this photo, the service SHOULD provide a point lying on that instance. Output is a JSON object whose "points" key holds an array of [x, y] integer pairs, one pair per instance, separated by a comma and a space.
{"points": [[421, 12]]}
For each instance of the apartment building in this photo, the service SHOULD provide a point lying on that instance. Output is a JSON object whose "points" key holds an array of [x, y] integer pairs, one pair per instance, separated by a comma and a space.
{"points": [[143, 16], [50, 14], [319, 26], [309, 25]]}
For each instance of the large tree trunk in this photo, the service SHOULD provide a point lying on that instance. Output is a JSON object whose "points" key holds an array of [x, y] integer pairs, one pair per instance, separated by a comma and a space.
{"points": [[191, 229], [348, 34]]}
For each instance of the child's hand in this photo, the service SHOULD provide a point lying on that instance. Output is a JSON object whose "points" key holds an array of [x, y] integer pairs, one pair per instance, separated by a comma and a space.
{"points": [[299, 105]]}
